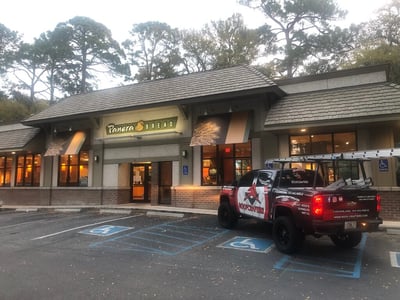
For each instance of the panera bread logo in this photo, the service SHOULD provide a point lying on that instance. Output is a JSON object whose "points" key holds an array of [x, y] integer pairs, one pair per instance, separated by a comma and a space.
{"points": [[141, 126]]}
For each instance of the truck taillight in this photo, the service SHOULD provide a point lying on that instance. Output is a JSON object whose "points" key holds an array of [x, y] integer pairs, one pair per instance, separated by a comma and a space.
{"points": [[378, 203], [317, 206]]}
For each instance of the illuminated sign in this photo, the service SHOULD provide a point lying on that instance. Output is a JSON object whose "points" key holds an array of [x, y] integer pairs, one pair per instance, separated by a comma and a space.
{"points": [[142, 126]]}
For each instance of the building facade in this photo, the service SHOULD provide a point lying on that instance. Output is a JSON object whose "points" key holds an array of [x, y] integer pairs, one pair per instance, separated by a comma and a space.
{"points": [[177, 141]]}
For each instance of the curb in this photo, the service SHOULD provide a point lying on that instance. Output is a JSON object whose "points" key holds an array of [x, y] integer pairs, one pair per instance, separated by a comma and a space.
{"points": [[165, 210], [392, 227]]}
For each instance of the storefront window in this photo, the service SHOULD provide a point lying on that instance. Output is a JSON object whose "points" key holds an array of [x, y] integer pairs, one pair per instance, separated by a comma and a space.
{"points": [[73, 169], [300, 145], [223, 164], [28, 170], [5, 170], [322, 143], [325, 144]]}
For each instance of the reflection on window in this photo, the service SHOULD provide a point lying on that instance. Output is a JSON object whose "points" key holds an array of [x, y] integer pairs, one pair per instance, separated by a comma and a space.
{"points": [[5, 170], [73, 169], [223, 164], [28, 170]]}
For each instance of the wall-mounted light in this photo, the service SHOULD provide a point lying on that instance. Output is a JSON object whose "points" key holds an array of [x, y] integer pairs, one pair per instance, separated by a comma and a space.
{"points": [[96, 158], [70, 129], [184, 153]]}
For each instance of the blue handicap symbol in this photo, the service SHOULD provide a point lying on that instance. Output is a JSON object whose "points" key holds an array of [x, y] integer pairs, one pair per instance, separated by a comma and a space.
{"points": [[248, 244], [105, 230]]}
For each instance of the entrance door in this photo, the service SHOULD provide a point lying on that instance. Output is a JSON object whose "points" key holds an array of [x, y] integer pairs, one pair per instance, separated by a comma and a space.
{"points": [[165, 182], [141, 182]]}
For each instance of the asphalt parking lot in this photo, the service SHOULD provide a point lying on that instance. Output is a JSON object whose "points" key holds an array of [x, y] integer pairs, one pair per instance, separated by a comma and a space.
{"points": [[88, 255]]}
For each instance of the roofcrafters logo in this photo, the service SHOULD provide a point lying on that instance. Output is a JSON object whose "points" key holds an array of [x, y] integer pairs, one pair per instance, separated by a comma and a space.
{"points": [[253, 200]]}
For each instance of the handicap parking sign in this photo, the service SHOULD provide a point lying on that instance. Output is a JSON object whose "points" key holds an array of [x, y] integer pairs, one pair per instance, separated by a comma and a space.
{"points": [[384, 165], [105, 230], [248, 244]]}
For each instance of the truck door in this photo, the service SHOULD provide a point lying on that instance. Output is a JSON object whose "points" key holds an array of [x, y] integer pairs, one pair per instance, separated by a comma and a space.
{"points": [[252, 196]]}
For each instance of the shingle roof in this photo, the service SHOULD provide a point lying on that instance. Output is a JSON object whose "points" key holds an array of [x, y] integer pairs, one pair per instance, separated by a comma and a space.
{"points": [[351, 103], [15, 137], [194, 85]]}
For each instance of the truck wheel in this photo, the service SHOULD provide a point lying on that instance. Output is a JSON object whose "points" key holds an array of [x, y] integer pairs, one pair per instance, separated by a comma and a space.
{"points": [[346, 240], [226, 216], [287, 237]]}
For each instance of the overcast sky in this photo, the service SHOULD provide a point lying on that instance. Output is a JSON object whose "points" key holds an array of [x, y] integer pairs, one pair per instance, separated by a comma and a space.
{"points": [[32, 17]]}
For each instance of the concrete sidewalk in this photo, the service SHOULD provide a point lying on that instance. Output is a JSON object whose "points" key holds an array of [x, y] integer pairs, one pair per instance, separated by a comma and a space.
{"points": [[389, 226]]}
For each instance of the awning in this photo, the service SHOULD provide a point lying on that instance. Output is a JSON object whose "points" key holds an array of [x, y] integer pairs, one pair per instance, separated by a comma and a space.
{"points": [[231, 128], [66, 144]]}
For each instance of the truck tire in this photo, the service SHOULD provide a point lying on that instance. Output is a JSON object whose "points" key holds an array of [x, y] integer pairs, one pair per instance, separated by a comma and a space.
{"points": [[346, 240], [226, 216], [287, 237]]}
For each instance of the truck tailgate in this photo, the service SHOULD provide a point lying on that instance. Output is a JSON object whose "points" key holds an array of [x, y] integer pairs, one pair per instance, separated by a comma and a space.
{"points": [[351, 205]]}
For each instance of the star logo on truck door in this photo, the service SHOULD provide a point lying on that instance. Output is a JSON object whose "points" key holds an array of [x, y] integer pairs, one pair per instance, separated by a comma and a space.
{"points": [[251, 194]]}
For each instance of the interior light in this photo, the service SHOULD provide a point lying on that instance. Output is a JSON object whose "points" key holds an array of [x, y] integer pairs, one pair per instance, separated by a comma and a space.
{"points": [[303, 130]]}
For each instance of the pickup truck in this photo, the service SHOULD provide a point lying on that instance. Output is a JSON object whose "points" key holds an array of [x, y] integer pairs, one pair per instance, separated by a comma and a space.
{"points": [[299, 202]]}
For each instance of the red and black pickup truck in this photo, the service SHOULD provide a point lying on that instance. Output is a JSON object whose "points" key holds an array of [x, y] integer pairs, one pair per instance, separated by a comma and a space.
{"points": [[300, 202]]}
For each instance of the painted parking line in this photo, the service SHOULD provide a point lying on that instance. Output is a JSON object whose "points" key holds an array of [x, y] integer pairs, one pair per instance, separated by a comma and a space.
{"points": [[395, 259], [248, 244], [348, 267], [165, 239], [83, 226]]}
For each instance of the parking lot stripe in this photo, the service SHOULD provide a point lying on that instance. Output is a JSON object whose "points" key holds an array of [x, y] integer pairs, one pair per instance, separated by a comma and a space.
{"points": [[395, 259], [83, 226], [165, 239]]}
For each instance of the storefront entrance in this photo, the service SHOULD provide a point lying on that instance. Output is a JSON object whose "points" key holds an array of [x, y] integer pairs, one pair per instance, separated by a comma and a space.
{"points": [[141, 182]]}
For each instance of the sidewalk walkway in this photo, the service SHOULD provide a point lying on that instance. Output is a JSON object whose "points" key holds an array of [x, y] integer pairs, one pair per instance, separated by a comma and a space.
{"points": [[392, 226]]}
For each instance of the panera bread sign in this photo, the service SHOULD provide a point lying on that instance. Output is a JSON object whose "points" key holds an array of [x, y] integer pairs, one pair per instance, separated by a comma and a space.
{"points": [[142, 126]]}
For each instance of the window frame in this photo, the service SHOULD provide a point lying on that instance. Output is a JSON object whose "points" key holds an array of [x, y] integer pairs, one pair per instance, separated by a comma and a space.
{"points": [[34, 181], [6, 170], [223, 160], [69, 165]]}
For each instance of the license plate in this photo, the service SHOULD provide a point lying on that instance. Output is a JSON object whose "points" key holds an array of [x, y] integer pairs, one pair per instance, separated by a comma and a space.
{"points": [[349, 225]]}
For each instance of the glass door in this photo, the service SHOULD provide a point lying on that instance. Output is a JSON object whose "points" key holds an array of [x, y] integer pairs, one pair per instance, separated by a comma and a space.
{"points": [[165, 182], [141, 182]]}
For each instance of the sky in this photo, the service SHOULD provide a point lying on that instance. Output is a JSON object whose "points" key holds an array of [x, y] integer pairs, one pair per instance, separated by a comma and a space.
{"points": [[33, 17]]}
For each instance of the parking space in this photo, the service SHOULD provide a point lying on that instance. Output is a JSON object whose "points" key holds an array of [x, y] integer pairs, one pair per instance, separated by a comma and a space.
{"points": [[327, 261], [169, 238], [189, 256]]}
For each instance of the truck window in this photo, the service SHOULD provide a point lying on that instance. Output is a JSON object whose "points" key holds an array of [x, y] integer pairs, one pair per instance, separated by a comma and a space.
{"points": [[264, 178], [299, 178], [247, 179]]}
